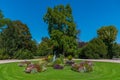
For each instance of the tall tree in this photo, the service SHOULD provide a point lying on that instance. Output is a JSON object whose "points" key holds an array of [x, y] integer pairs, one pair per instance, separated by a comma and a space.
{"points": [[16, 36], [61, 28], [3, 21], [108, 35]]}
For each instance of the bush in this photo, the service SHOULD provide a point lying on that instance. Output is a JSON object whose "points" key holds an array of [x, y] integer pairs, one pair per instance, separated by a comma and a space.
{"points": [[86, 66], [3, 55], [57, 61], [58, 64], [70, 57], [95, 49], [69, 62], [43, 65], [62, 58], [49, 58], [23, 54], [33, 68]]}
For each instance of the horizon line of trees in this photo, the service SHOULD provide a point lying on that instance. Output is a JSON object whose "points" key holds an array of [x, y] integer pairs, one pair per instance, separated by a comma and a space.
{"points": [[16, 40]]}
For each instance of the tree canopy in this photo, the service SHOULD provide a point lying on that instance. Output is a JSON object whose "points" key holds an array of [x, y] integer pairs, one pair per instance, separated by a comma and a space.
{"points": [[14, 37], [108, 35], [94, 49], [62, 28], [16, 40]]}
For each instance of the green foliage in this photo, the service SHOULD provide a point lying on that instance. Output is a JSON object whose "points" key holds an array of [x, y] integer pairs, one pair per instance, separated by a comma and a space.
{"points": [[50, 58], [23, 54], [57, 61], [62, 29], [3, 55], [44, 48], [16, 36], [108, 35], [94, 49], [3, 21], [62, 58], [70, 57], [116, 50]]}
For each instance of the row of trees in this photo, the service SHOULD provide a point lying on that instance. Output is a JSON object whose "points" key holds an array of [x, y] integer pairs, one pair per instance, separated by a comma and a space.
{"points": [[63, 37], [16, 40]]}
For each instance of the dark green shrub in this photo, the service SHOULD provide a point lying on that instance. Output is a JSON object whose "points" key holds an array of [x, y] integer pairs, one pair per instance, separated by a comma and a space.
{"points": [[3, 54], [2, 57], [95, 49], [23, 54]]}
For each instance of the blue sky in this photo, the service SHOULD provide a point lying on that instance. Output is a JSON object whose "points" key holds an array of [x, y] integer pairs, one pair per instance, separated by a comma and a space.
{"points": [[89, 15]]}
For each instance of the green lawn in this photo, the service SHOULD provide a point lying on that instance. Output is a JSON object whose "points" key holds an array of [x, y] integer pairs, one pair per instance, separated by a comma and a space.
{"points": [[102, 71]]}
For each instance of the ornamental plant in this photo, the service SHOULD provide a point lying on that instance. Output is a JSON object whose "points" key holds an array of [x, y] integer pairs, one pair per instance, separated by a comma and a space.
{"points": [[58, 64], [85, 66], [70, 57], [69, 62], [33, 68], [49, 58]]}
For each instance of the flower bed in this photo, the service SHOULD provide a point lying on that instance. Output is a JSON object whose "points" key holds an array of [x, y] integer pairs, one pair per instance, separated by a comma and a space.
{"points": [[85, 66]]}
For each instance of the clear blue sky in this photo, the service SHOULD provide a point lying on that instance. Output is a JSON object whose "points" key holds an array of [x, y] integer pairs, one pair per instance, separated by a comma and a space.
{"points": [[89, 15]]}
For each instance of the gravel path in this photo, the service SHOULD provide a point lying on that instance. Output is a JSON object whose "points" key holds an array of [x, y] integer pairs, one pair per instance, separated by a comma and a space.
{"points": [[103, 60], [9, 61], [98, 60]]}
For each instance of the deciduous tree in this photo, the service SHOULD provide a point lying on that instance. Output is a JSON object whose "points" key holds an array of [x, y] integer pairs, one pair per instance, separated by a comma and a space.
{"points": [[62, 28], [108, 35], [94, 49]]}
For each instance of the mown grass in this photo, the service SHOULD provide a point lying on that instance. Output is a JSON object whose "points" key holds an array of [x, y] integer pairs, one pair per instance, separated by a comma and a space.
{"points": [[102, 71]]}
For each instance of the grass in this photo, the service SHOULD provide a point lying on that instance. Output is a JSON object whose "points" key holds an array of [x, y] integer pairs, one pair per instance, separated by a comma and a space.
{"points": [[102, 71]]}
